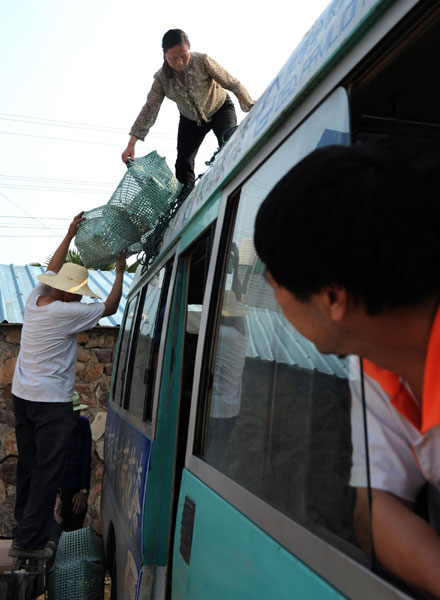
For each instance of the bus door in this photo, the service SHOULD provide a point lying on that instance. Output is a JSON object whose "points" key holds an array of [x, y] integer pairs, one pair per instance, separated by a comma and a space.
{"points": [[169, 447], [130, 428]]}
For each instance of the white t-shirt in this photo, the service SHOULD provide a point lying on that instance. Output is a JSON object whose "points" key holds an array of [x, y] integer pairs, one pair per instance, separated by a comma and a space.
{"points": [[229, 365], [46, 365], [401, 458]]}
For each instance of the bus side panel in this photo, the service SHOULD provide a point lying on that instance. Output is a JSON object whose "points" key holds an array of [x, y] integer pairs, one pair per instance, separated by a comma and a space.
{"points": [[127, 454], [233, 558]]}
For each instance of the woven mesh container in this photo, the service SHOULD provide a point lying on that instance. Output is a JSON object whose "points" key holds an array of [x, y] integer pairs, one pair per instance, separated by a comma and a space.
{"points": [[142, 205], [78, 572], [144, 193], [104, 234]]}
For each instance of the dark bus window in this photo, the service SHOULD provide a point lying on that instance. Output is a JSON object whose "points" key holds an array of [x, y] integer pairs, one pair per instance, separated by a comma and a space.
{"points": [[277, 416], [146, 347], [123, 354]]}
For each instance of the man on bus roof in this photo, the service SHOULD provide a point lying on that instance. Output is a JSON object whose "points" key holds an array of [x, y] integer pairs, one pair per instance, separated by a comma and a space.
{"points": [[351, 242]]}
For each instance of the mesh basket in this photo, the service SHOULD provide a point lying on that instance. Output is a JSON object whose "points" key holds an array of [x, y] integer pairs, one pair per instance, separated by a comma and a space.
{"points": [[104, 234], [139, 173], [142, 205], [78, 572], [144, 193]]}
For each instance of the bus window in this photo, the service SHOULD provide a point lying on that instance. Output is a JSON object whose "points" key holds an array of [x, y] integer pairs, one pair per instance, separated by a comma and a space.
{"points": [[277, 415], [191, 276], [146, 347], [198, 263], [123, 354]]}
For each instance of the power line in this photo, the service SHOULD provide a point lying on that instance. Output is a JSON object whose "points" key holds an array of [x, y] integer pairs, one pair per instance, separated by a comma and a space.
{"points": [[46, 179], [45, 218], [54, 120], [42, 188], [71, 124], [23, 210], [33, 121], [15, 226], [59, 139], [48, 137]]}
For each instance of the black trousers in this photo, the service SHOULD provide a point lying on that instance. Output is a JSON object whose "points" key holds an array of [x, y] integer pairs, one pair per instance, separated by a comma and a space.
{"points": [[190, 136], [43, 431]]}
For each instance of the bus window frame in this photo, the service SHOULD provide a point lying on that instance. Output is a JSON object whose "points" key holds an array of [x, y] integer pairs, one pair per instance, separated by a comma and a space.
{"points": [[345, 573], [120, 402], [148, 428], [207, 363], [151, 425]]}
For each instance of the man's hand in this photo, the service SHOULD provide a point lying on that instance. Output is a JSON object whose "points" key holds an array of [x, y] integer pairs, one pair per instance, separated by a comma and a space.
{"points": [[403, 542], [120, 263], [128, 154], [79, 502], [57, 510], [57, 260], [74, 224]]}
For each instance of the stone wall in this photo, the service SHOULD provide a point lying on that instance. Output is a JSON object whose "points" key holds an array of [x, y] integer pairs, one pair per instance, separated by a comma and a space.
{"points": [[93, 376]]}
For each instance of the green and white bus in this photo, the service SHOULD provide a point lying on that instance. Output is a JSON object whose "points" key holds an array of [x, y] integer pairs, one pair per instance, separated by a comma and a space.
{"points": [[228, 439]]}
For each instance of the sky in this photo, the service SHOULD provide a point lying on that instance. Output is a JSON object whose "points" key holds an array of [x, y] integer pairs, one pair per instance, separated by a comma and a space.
{"points": [[74, 75]]}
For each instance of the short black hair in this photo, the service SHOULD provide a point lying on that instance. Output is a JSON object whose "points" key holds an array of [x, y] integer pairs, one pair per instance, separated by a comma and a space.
{"points": [[357, 218], [174, 37]]}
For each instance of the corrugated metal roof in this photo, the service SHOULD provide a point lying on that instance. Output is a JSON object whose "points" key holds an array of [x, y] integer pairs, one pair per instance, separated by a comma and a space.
{"points": [[17, 282], [271, 337]]}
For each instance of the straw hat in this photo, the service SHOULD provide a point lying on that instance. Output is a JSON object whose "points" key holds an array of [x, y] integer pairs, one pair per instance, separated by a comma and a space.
{"points": [[232, 308], [70, 278]]}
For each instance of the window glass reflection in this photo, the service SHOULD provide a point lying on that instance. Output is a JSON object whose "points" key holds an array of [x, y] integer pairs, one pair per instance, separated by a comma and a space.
{"points": [[123, 350], [147, 348], [279, 411]]}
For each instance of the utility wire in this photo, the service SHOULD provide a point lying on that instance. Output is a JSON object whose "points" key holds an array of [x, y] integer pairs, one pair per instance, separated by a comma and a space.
{"points": [[59, 139], [71, 124], [45, 218], [30, 236], [23, 210], [51, 189], [15, 226], [33, 121], [48, 137], [46, 179]]}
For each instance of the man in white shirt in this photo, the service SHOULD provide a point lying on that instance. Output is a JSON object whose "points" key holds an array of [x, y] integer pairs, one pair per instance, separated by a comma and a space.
{"points": [[43, 385]]}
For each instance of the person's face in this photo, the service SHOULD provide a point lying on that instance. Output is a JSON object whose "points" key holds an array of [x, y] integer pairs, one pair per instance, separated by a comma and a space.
{"points": [[312, 318], [69, 297], [178, 57]]}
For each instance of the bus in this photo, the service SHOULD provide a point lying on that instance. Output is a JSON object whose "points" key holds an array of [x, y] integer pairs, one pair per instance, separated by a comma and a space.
{"points": [[228, 436]]}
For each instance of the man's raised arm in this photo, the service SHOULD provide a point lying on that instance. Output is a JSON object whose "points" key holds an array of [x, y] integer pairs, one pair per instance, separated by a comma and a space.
{"points": [[112, 302], [57, 260]]}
